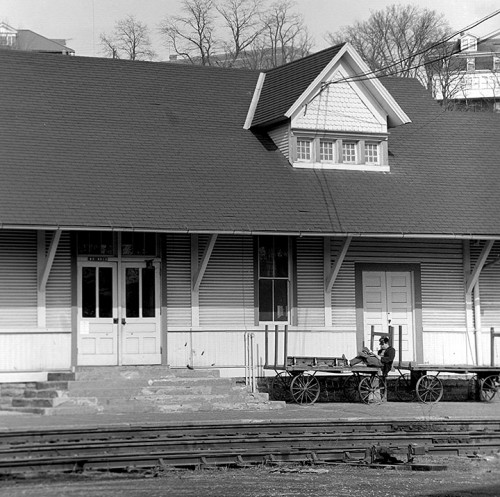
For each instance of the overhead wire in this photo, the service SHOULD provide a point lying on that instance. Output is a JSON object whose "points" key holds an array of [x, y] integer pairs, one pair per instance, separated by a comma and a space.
{"points": [[377, 73]]}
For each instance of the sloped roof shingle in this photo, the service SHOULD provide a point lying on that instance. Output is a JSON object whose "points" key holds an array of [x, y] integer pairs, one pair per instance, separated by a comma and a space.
{"points": [[106, 144]]}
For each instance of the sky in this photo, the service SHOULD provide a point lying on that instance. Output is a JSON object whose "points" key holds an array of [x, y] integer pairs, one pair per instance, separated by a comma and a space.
{"points": [[81, 22]]}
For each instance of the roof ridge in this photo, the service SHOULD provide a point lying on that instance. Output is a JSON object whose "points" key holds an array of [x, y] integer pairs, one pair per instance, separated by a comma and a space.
{"points": [[307, 57]]}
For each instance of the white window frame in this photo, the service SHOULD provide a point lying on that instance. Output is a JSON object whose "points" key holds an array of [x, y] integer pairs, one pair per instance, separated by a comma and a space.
{"points": [[360, 163]]}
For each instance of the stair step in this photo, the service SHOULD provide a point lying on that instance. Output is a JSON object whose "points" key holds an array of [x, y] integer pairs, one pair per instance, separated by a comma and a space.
{"points": [[136, 389], [136, 372], [61, 376]]}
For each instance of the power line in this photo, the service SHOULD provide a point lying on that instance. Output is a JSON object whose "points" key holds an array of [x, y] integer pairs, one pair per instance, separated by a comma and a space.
{"points": [[377, 72]]}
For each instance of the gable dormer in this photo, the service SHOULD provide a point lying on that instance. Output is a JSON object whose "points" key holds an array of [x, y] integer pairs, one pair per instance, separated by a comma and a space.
{"points": [[468, 43], [338, 117], [7, 36]]}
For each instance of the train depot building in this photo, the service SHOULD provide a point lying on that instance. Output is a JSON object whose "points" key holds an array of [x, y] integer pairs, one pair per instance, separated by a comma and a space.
{"points": [[155, 213]]}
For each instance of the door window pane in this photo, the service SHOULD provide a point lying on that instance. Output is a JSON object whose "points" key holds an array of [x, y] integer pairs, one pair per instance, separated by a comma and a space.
{"points": [[132, 292], [105, 292], [148, 292], [88, 292]]}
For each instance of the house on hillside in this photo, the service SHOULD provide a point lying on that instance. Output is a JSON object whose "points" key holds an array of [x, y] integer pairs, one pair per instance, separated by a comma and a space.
{"points": [[467, 76], [27, 40], [156, 213]]}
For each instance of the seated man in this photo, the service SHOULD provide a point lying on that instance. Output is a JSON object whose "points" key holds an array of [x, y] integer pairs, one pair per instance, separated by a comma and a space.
{"points": [[383, 359]]}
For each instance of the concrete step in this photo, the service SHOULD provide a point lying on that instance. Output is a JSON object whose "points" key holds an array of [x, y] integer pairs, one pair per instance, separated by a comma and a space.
{"points": [[132, 389], [136, 372], [61, 376], [111, 383]]}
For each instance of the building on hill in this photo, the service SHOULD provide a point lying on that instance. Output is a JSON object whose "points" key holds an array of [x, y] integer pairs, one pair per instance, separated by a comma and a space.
{"points": [[27, 40], [468, 77], [155, 213]]}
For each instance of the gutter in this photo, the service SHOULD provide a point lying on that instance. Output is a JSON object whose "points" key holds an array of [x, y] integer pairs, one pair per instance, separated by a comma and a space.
{"points": [[321, 234]]}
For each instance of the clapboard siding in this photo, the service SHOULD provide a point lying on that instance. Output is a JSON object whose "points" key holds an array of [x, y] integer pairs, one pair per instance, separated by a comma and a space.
{"points": [[442, 278], [402, 250], [280, 137], [58, 298], [310, 282], [35, 351], [18, 279], [178, 269], [489, 286], [443, 296], [227, 289], [344, 299]]}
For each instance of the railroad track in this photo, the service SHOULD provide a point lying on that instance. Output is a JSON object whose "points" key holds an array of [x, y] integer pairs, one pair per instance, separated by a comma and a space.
{"points": [[240, 443]]}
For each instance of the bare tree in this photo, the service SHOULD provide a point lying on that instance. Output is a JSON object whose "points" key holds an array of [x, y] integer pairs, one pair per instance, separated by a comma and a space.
{"points": [[243, 20], [394, 41], [445, 73], [256, 37], [287, 37], [130, 40], [192, 34]]}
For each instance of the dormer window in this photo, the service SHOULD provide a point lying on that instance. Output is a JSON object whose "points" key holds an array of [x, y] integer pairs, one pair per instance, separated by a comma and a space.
{"points": [[349, 152], [326, 151], [336, 151], [303, 150], [372, 155]]}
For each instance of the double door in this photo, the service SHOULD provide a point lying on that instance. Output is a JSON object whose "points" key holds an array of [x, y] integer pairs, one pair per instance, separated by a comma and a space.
{"points": [[118, 313], [388, 301]]}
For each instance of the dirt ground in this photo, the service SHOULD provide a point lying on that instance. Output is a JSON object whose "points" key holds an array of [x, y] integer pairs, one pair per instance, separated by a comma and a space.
{"points": [[463, 477]]}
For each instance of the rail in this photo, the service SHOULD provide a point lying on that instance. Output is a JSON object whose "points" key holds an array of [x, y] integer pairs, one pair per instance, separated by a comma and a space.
{"points": [[238, 444]]}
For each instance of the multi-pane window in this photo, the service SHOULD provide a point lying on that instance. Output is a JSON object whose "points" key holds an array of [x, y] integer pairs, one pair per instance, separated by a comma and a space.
{"points": [[96, 243], [304, 150], [330, 151], [326, 151], [273, 278], [349, 152], [371, 153]]}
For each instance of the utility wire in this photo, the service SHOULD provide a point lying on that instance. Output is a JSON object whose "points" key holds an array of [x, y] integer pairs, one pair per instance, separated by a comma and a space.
{"points": [[376, 73]]}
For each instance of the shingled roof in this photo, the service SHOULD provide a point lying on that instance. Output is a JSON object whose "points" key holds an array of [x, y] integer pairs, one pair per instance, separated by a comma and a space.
{"points": [[285, 84], [109, 144]]}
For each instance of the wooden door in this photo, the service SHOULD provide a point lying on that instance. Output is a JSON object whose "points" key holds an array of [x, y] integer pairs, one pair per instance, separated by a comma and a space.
{"points": [[97, 314], [140, 314], [388, 301]]}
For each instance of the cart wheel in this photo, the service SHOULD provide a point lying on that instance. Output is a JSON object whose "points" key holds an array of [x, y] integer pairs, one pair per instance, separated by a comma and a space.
{"points": [[280, 387], [429, 389], [372, 389], [489, 386], [350, 389], [305, 388], [404, 390]]}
